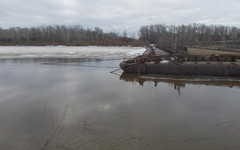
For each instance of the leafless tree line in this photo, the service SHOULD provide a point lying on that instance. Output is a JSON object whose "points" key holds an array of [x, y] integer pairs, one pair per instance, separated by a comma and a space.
{"points": [[187, 35], [169, 35], [61, 35]]}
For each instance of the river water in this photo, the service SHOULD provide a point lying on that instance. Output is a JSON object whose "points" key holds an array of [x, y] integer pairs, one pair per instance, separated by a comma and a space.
{"points": [[78, 104]]}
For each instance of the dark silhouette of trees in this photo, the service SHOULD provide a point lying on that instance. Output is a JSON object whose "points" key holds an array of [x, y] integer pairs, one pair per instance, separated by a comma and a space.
{"points": [[165, 35], [192, 34], [62, 35]]}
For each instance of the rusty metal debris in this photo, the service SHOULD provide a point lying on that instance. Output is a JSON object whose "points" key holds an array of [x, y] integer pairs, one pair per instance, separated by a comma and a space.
{"points": [[164, 61]]}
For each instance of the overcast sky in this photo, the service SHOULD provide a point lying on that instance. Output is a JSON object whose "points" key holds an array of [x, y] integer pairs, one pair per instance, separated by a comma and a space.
{"points": [[117, 15]]}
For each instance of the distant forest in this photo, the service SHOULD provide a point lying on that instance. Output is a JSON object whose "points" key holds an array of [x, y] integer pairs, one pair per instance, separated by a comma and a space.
{"points": [[189, 35], [169, 35], [63, 35]]}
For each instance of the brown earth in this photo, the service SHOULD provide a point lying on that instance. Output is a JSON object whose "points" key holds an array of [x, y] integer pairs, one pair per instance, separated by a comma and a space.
{"points": [[197, 51]]}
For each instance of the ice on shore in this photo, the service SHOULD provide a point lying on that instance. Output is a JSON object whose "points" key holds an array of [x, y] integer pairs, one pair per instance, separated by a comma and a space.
{"points": [[137, 52], [70, 52]]}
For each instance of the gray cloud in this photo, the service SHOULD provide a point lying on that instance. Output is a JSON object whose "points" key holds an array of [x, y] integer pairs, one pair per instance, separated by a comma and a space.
{"points": [[117, 15]]}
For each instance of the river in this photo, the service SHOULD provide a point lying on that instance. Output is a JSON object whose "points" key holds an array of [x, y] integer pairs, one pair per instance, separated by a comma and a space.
{"points": [[76, 103]]}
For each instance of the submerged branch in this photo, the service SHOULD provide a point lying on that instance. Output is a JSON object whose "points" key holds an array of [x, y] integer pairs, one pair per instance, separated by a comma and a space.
{"points": [[55, 130]]}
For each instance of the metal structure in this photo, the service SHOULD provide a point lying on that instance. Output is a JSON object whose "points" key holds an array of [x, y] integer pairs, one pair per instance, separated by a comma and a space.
{"points": [[158, 61]]}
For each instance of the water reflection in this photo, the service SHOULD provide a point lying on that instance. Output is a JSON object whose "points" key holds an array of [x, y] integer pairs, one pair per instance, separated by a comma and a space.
{"points": [[106, 113], [180, 82]]}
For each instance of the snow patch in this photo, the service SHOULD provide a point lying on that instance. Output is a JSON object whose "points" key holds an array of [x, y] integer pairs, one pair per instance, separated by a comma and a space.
{"points": [[164, 61], [100, 52], [137, 52]]}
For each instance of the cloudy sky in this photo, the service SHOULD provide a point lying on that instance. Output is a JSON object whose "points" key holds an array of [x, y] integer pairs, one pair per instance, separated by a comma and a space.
{"points": [[117, 15]]}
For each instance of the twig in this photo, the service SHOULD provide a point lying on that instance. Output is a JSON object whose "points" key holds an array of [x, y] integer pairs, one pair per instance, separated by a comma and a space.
{"points": [[37, 142], [52, 118], [115, 70], [55, 130], [86, 122], [43, 115], [89, 132]]}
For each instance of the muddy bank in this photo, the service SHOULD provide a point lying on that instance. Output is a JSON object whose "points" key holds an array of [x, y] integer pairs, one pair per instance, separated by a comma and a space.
{"points": [[197, 51]]}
